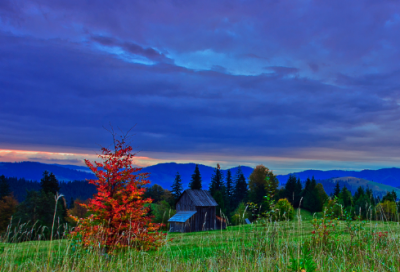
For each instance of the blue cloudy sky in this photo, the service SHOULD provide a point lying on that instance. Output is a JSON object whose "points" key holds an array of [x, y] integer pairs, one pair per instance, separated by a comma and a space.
{"points": [[292, 85]]}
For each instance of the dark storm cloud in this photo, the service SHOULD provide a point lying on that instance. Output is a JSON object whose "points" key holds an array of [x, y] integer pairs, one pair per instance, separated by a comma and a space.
{"points": [[226, 77]]}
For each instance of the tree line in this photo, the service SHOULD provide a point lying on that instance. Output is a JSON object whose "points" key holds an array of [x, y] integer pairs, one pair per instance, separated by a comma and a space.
{"points": [[232, 192], [36, 211]]}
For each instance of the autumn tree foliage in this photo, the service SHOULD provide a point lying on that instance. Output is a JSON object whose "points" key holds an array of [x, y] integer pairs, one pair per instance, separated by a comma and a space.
{"points": [[119, 218], [8, 205]]}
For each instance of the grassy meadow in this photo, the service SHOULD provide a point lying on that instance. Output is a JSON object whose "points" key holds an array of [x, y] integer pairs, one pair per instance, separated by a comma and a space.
{"points": [[266, 246]]}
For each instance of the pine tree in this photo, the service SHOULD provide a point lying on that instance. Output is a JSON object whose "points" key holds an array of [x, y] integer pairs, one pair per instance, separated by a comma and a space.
{"points": [[49, 183], [195, 184], [390, 197], [290, 188], [240, 192], [313, 183], [177, 187], [358, 194], [4, 187], [217, 188], [37, 210], [229, 192], [370, 196], [345, 197], [217, 183], [336, 192], [310, 195], [297, 193]]}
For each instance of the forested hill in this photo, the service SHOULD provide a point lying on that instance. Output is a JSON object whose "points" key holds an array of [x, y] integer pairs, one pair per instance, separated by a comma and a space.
{"points": [[387, 176], [34, 171], [353, 183], [162, 174]]}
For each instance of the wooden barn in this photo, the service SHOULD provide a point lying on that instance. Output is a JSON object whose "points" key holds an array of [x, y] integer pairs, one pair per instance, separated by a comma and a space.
{"points": [[195, 211]]}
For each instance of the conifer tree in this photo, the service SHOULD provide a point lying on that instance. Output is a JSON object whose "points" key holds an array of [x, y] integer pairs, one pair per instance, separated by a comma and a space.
{"points": [[49, 183], [313, 183], [370, 195], [297, 193], [290, 188], [240, 191], [336, 192], [4, 187], [345, 197], [217, 189], [195, 184], [217, 182], [306, 187], [177, 187], [229, 192], [360, 193], [310, 195], [37, 210]]}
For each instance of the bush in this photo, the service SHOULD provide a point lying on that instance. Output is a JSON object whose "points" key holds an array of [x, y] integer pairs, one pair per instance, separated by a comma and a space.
{"points": [[332, 209], [284, 209], [240, 214], [386, 210], [162, 212]]}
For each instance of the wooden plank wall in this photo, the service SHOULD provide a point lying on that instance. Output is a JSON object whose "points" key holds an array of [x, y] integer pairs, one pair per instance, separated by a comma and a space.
{"points": [[185, 204], [205, 218]]}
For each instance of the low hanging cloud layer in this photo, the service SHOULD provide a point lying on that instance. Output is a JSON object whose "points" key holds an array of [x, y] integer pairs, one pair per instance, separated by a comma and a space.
{"points": [[292, 85]]}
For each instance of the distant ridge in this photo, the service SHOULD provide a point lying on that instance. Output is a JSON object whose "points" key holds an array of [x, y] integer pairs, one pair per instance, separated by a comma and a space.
{"points": [[353, 183], [34, 171], [387, 176], [164, 173]]}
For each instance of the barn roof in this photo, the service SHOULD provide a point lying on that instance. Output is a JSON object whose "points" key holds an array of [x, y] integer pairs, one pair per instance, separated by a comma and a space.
{"points": [[181, 216], [201, 197]]}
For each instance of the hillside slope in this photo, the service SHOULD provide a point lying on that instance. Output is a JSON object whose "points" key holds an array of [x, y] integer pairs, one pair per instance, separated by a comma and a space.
{"points": [[352, 183], [387, 176]]}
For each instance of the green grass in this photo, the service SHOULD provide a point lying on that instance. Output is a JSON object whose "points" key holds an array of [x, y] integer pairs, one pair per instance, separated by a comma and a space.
{"points": [[256, 247]]}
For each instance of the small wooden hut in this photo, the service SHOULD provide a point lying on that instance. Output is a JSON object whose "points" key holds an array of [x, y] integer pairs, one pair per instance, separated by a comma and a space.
{"points": [[195, 211]]}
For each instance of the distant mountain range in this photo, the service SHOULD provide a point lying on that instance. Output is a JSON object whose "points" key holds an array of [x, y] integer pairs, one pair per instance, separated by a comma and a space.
{"points": [[164, 174], [353, 183], [387, 176], [34, 171]]}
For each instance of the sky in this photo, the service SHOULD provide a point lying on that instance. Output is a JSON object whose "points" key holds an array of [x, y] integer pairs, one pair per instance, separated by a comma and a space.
{"points": [[292, 85]]}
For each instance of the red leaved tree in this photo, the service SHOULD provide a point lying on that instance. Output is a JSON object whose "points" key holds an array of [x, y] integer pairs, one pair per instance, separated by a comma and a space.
{"points": [[118, 217]]}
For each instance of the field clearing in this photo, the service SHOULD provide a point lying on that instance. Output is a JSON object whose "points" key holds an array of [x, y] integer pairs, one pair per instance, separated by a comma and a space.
{"points": [[256, 247]]}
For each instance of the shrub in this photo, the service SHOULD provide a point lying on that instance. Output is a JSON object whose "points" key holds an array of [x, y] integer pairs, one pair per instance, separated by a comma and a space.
{"points": [[240, 214], [332, 209], [284, 209], [386, 210]]}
